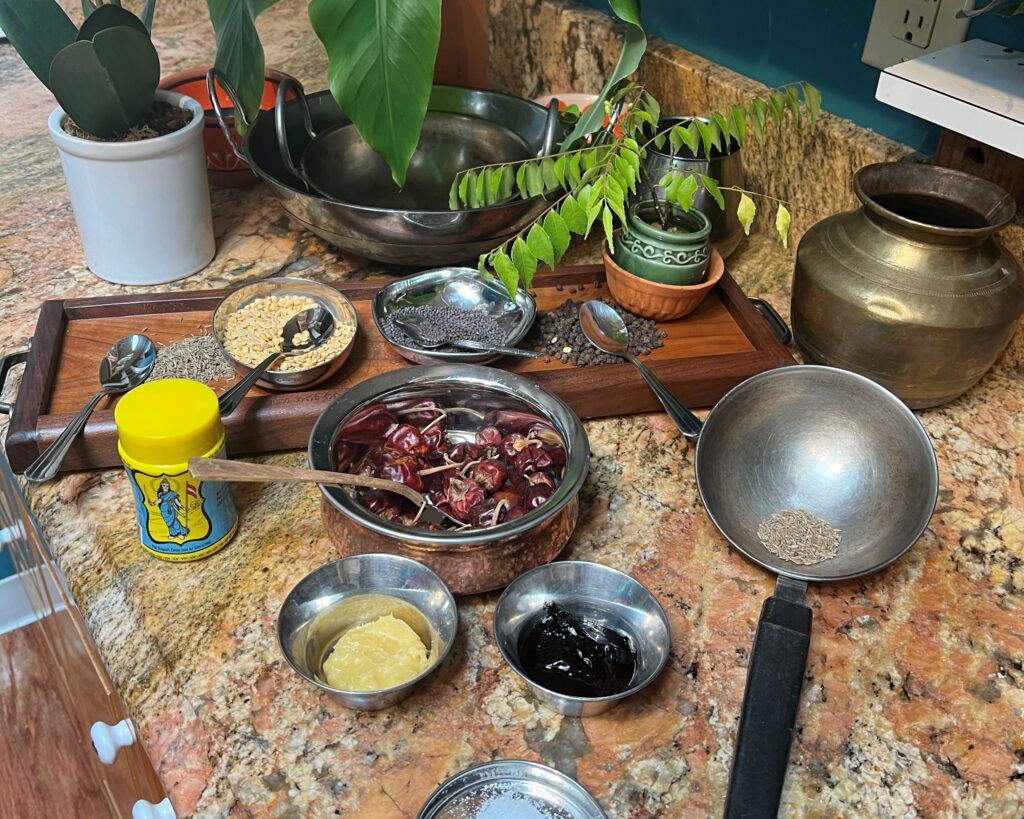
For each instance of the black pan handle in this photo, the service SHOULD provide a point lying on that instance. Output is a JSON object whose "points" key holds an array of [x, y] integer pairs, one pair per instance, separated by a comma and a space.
{"points": [[774, 678]]}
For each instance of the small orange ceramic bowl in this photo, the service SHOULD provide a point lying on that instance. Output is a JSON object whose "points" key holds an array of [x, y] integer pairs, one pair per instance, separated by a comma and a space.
{"points": [[653, 300], [222, 166]]}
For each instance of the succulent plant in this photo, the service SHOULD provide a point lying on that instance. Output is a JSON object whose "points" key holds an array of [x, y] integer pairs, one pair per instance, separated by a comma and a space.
{"points": [[104, 75]]}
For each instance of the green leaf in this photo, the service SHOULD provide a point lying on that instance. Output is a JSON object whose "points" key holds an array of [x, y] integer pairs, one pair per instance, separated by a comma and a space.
{"points": [[783, 220], [524, 260], [812, 101], [574, 216], [534, 179], [239, 51], [616, 199], [381, 57], [521, 182], [667, 179], [708, 135], [686, 190], [624, 170], [479, 190], [711, 186], [634, 45], [508, 181], [723, 126], [651, 106], [792, 101], [609, 228], [494, 176], [738, 118], [453, 195], [573, 171], [87, 8], [558, 233], [745, 212], [506, 270], [541, 246], [659, 141], [107, 85], [547, 169], [776, 107], [37, 29], [758, 109], [464, 181], [147, 14], [559, 169], [108, 16]]}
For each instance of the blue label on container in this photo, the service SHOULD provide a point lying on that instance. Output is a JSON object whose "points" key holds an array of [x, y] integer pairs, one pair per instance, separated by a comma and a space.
{"points": [[179, 517]]}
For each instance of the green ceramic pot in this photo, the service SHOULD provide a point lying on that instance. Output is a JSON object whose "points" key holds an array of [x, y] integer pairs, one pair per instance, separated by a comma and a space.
{"points": [[678, 257]]}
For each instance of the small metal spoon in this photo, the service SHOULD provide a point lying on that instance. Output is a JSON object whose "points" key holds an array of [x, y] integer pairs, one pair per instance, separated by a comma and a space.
{"points": [[320, 324], [412, 329], [605, 329], [127, 364]]}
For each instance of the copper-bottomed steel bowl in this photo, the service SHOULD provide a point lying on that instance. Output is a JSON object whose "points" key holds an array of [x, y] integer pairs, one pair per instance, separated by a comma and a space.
{"points": [[475, 560]]}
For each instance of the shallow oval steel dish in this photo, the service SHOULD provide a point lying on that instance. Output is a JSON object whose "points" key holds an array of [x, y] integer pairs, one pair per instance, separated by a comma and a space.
{"points": [[409, 237], [551, 792], [335, 301], [460, 287], [306, 630], [474, 560]]}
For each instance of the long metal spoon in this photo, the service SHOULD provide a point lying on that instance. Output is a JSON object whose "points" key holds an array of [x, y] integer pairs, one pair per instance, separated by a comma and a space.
{"points": [[413, 330], [320, 324], [605, 329], [127, 364], [218, 469]]}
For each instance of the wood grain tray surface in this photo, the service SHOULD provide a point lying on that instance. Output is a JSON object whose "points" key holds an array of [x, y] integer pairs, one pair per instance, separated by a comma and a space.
{"points": [[705, 354]]}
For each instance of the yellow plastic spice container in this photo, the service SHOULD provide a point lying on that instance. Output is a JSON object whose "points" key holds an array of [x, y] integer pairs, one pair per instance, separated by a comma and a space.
{"points": [[160, 425]]}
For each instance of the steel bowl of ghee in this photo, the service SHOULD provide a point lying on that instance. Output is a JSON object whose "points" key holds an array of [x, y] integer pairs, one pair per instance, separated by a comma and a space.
{"points": [[368, 629]]}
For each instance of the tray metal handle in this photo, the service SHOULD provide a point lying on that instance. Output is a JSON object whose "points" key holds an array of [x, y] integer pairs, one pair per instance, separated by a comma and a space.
{"points": [[281, 127], [775, 321], [6, 363], [215, 77]]}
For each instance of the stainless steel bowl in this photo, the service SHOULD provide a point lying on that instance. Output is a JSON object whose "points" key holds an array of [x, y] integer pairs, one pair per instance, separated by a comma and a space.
{"points": [[308, 624], [407, 237], [606, 596], [475, 560], [459, 287], [470, 791], [285, 380]]}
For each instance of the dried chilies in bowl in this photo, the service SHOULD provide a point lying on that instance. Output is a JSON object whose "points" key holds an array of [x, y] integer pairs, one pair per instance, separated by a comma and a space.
{"points": [[510, 465]]}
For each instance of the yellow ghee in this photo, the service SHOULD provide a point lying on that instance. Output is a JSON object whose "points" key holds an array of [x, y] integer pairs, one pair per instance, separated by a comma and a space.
{"points": [[377, 655]]}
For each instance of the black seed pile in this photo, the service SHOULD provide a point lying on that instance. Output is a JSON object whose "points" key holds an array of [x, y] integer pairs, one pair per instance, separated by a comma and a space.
{"points": [[558, 335], [445, 323]]}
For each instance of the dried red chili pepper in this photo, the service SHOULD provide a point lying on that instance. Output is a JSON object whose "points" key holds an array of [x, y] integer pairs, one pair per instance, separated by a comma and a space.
{"points": [[405, 438], [435, 439], [490, 474], [537, 496], [512, 444], [488, 436], [510, 498], [462, 496], [514, 513], [403, 469], [541, 479], [368, 425], [546, 433], [482, 514], [512, 421], [426, 410], [556, 453], [532, 459]]}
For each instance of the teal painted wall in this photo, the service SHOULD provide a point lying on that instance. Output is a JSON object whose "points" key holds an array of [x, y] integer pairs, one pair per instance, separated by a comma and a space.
{"points": [[780, 41]]}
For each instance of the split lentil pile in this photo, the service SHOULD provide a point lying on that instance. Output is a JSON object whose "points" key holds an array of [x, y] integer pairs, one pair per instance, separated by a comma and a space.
{"points": [[254, 332], [558, 335], [444, 323]]}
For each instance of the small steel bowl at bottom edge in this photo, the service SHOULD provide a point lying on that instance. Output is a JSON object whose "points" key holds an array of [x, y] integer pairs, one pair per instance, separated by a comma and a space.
{"points": [[305, 628], [620, 601]]}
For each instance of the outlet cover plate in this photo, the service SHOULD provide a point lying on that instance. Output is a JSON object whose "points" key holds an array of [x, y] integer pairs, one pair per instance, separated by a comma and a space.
{"points": [[902, 30]]}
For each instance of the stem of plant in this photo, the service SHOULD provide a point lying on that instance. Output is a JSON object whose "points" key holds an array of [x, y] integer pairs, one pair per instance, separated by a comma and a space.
{"points": [[664, 214]]}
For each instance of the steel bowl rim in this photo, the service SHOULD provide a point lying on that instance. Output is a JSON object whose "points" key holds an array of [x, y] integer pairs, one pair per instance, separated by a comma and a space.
{"points": [[628, 692], [395, 688], [576, 441], [318, 369], [518, 202], [433, 803], [895, 402], [528, 306]]}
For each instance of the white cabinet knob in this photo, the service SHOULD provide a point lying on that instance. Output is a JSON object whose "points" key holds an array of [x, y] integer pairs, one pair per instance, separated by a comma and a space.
{"points": [[109, 739], [147, 810]]}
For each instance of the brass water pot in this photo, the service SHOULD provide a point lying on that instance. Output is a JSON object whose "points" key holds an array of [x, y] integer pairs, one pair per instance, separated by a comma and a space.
{"points": [[911, 289]]}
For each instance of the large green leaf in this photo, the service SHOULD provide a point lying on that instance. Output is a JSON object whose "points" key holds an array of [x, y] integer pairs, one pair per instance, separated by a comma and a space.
{"points": [[107, 85], [37, 29], [381, 57], [634, 45], [239, 51], [107, 16]]}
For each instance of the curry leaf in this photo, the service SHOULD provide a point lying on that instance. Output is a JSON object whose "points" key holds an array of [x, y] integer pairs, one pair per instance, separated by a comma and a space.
{"points": [[745, 212], [574, 216], [711, 186], [812, 101], [524, 260], [540, 245], [783, 220], [380, 58], [558, 233], [506, 270]]}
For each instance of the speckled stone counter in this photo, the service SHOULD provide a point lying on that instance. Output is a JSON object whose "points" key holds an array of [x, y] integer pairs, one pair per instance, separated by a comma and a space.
{"points": [[914, 691]]}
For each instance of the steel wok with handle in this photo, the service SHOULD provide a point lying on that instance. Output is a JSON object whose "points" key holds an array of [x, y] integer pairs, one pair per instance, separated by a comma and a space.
{"points": [[834, 444]]}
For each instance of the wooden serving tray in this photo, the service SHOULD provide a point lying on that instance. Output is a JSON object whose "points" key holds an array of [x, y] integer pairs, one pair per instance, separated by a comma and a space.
{"points": [[705, 354]]}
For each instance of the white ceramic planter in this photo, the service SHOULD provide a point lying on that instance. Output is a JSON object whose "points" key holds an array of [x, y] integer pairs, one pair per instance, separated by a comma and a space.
{"points": [[142, 208]]}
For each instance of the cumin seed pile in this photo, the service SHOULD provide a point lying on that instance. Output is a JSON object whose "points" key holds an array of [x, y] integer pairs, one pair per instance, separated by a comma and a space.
{"points": [[799, 537]]}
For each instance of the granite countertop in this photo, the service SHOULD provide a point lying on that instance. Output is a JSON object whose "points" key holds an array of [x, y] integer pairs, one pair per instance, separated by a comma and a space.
{"points": [[914, 690]]}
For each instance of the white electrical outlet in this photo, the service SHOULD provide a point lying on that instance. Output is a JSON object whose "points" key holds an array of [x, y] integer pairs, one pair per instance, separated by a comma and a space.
{"points": [[901, 30]]}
